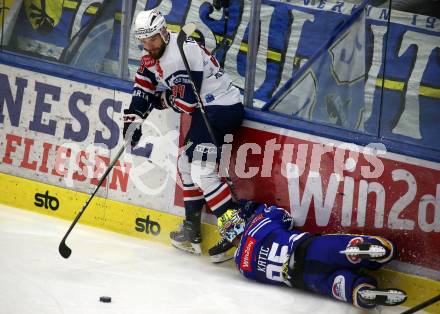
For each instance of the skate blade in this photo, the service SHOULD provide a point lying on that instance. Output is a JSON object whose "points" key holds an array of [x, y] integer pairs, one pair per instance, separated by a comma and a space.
{"points": [[375, 251], [191, 248], [220, 258], [390, 297]]}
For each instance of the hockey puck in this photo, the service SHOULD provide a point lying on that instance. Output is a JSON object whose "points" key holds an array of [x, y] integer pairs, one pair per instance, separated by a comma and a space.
{"points": [[105, 299]]}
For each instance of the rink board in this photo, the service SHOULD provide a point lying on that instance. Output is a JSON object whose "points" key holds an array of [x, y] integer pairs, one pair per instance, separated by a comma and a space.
{"points": [[152, 225], [136, 221]]}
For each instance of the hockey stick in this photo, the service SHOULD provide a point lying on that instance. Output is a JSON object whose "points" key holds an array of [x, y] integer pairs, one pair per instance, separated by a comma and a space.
{"points": [[187, 30], [64, 250], [224, 44], [422, 305]]}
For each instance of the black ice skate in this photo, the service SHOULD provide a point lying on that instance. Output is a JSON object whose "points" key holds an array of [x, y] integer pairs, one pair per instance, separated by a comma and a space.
{"points": [[188, 238], [365, 250], [387, 297], [219, 252]]}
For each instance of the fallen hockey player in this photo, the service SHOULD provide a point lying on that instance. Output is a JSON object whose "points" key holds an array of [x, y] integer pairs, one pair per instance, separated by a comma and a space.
{"points": [[271, 250]]}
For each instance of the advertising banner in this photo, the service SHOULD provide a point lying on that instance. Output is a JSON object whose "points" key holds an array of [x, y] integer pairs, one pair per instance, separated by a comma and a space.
{"points": [[332, 187], [65, 133]]}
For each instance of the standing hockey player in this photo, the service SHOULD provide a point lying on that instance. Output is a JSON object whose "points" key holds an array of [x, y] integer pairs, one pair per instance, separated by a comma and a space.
{"points": [[162, 82], [271, 251]]}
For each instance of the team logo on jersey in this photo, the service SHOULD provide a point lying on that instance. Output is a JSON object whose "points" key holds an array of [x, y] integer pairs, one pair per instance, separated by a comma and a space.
{"points": [[148, 61], [354, 241], [254, 221], [246, 254], [338, 288]]}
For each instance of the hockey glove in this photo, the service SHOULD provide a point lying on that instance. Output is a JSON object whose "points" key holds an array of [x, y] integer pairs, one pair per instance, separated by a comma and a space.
{"points": [[132, 126], [166, 99]]}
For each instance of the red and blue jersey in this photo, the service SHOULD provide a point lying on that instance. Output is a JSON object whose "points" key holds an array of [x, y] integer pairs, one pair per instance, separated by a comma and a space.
{"points": [[169, 73]]}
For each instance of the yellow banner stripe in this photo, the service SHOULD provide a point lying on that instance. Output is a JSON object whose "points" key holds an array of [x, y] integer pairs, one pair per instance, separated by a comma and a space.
{"points": [[399, 86], [69, 4], [391, 84], [173, 27], [271, 54], [274, 55], [244, 48], [430, 92], [92, 10]]}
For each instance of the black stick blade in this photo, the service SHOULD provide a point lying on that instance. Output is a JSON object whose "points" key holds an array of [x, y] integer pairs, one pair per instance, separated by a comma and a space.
{"points": [[64, 250]]}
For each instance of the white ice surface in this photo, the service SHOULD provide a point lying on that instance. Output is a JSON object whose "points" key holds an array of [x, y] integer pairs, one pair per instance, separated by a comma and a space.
{"points": [[139, 276]]}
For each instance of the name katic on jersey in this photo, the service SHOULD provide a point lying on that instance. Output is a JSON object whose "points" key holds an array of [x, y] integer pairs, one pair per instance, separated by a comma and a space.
{"points": [[262, 259]]}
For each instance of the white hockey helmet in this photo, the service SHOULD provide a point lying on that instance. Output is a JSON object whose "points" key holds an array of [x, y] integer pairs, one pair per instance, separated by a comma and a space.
{"points": [[149, 23]]}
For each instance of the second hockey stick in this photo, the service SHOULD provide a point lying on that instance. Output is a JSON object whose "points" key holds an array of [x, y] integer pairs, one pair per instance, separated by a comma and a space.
{"points": [[422, 305], [186, 31]]}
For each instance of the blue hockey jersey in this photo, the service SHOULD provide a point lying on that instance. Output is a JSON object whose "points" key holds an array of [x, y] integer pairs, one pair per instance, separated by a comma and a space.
{"points": [[267, 244]]}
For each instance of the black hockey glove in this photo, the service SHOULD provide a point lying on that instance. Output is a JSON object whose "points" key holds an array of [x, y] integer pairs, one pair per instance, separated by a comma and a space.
{"points": [[166, 99], [132, 126]]}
